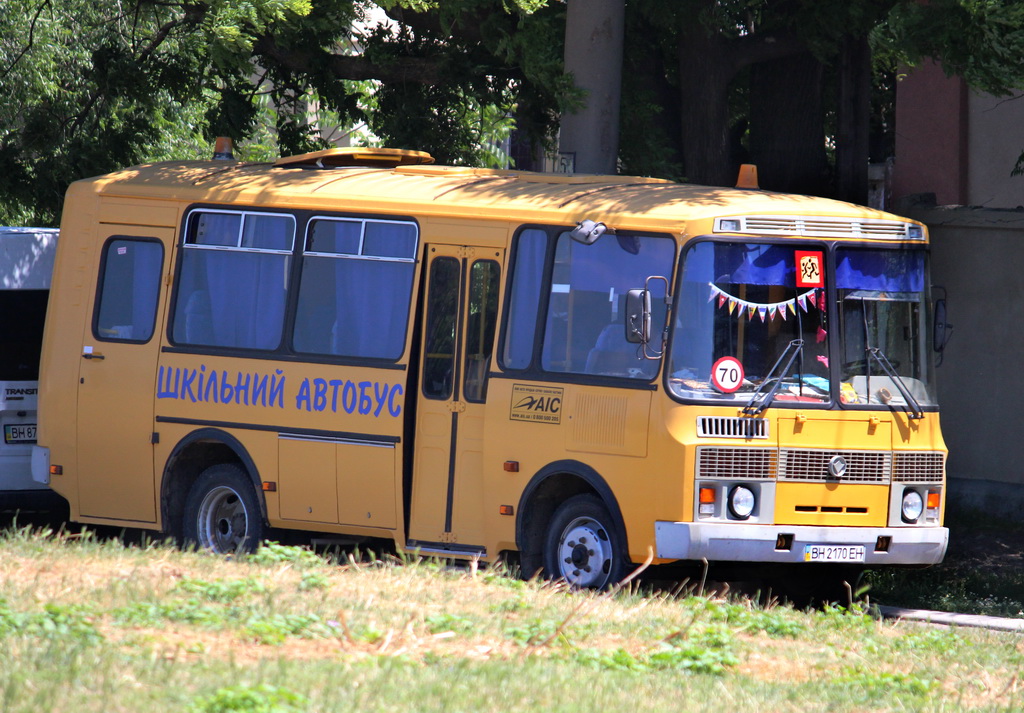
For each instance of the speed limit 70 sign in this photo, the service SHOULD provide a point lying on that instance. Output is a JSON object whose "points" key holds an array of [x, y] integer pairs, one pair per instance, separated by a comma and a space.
{"points": [[727, 375]]}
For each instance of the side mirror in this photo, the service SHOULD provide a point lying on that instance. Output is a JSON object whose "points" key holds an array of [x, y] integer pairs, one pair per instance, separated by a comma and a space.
{"points": [[638, 316], [587, 232], [941, 329]]}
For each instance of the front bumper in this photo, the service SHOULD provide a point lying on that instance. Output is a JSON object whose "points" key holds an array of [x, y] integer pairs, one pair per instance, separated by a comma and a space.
{"points": [[717, 542]]}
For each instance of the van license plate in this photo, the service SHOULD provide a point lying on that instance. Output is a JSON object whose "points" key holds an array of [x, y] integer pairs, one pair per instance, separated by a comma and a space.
{"points": [[19, 433], [833, 553]]}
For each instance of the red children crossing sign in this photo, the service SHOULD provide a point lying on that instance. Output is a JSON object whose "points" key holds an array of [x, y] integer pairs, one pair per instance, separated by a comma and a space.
{"points": [[809, 268]]}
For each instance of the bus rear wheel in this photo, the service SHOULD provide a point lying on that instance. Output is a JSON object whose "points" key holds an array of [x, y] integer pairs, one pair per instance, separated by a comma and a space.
{"points": [[222, 514], [582, 546]]}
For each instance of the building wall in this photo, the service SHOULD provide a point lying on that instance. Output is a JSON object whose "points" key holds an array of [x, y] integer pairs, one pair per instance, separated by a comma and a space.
{"points": [[959, 145], [977, 255], [931, 138], [995, 140]]}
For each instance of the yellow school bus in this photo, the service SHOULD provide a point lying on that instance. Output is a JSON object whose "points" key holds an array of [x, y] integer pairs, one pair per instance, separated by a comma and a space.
{"points": [[586, 372]]}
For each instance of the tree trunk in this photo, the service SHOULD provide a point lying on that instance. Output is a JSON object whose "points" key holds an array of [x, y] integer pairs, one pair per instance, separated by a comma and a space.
{"points": [[649, 135], [787, 133], [853, 120], [705, 71], [708, 62], [594, 31]]}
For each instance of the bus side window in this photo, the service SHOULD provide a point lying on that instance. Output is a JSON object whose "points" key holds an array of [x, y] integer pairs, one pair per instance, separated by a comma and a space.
{"points": [[355, 288], [524, 299], [484, 277], [129, 285], [232, 285], [442, 316]]}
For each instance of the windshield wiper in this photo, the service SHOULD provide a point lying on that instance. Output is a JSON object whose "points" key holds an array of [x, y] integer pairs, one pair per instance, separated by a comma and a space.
{"points": [[914, 410], [786, 359]]}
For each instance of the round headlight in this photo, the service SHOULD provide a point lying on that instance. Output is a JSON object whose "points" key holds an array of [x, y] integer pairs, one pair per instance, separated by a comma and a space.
{"points": [[741, 502], [913, 506]]}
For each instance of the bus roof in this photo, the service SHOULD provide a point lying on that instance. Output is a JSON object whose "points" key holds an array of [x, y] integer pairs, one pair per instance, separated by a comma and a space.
{"points": [[425, 189]]}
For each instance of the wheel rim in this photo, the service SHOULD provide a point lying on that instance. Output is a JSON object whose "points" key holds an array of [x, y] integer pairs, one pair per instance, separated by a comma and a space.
{"points": [[223, 521], [585, 553]]}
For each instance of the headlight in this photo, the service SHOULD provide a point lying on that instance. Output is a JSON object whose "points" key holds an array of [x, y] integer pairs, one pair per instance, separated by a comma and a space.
{"points": [[741, 502], [913, 506]]}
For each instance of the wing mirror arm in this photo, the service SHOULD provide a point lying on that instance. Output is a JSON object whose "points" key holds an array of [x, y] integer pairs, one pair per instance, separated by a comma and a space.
{"points": [[638, 318]]}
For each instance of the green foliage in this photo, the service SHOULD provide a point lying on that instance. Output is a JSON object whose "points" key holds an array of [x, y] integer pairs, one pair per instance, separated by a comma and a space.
{"points": [[980, 40], [94, 87], [271, 553], [275, 629], [884, 685], [445, 622], [223, 591], [534, 632], [312, 580], [251, 699], [711, 651], [66, 622], [777, 622]]}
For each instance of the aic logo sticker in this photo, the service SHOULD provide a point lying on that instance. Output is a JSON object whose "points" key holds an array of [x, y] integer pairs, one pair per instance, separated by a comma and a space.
{"points": [[542, 404]]}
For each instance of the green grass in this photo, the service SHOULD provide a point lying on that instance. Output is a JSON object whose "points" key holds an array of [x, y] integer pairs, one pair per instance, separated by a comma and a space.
{"points": [[89, 625]]}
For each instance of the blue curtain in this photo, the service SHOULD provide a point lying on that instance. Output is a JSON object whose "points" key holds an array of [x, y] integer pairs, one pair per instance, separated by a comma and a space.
{"points": [[881, 270], [743, 264], [350, 302], [372, 299], [234, 298], [247, 296]]}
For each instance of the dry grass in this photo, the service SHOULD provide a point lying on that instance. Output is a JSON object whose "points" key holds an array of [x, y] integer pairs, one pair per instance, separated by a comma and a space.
{"points": [[195, 615]]}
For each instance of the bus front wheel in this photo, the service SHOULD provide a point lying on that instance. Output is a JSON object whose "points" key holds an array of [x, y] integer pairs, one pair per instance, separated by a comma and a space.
{"points": [[222, 514], [582, 545]]}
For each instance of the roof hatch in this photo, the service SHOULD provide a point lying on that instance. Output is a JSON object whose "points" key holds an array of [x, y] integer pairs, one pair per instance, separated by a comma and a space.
{"points": [[353, 156]]}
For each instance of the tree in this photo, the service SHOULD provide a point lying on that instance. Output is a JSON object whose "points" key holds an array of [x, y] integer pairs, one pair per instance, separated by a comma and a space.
{"points": [[594, 31], [777, 81], [99, 86], [91, 87]]}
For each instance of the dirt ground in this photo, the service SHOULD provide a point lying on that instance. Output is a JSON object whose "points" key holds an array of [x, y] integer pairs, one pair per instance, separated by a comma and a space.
{"points": [[989, 550]]}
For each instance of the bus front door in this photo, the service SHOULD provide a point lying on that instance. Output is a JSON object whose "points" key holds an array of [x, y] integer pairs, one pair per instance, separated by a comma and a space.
{"points": [[118, 377], [459, 318]]}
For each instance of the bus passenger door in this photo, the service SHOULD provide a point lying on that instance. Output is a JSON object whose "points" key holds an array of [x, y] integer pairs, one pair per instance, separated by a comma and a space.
{"points": [[459, 318], [118, 377]]}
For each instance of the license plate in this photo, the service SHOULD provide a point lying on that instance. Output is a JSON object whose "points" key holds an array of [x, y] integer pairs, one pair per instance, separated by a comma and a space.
{"points": [[833, 553], [19, 433]]}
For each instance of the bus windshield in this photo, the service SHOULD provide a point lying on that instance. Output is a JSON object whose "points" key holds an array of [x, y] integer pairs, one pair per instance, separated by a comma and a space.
{"points": [[751, 321], [742, 301], [883, 299]]}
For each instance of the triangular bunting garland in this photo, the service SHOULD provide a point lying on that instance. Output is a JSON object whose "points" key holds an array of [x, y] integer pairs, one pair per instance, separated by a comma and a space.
{"points": [[767, 311]]}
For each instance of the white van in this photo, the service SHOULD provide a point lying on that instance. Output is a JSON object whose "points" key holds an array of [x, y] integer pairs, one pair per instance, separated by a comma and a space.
{"points": [[26, 266]]}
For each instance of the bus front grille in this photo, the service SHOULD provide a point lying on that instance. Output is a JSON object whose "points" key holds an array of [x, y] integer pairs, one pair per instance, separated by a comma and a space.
{"points": [[918, 467], [812, 465], [737, 463]]}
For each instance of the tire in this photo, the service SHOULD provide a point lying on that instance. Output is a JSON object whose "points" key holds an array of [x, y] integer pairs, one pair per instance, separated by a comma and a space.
{"points": [[222, 514], [583, 547]]}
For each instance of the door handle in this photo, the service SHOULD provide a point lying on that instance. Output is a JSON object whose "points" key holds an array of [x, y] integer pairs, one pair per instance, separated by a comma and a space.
{"points": [[92, 355]]}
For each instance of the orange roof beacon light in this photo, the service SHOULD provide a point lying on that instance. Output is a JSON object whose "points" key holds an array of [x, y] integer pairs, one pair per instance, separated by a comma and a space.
{"points": [[747, 177], [222, 149]]}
